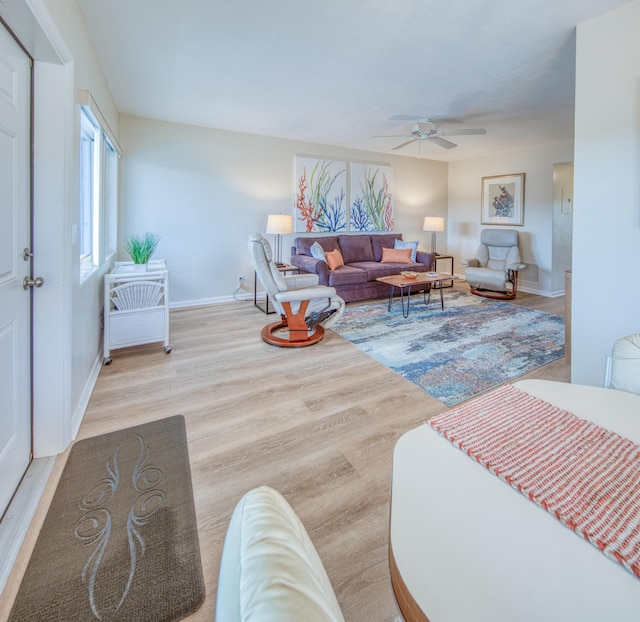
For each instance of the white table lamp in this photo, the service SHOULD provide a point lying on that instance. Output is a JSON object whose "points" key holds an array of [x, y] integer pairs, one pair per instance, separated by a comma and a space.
{"points": [[434, 224], [279, 225]]}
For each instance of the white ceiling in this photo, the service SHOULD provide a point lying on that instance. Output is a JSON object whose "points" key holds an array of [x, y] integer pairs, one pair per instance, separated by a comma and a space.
{"points": [[336, 71]]}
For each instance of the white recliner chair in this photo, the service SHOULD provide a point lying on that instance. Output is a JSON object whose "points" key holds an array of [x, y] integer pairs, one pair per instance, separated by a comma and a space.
{"points": [[305, 307], [622, 368], [493, 272], [270, 571]]}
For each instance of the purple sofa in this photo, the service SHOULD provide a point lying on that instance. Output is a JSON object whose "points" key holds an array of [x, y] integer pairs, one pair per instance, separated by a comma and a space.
{"points": [[356, 280]]}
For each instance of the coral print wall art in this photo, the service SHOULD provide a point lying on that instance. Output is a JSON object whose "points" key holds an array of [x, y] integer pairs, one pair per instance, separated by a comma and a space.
{"points": [[503, 200], [321, 203], [371, 198]]}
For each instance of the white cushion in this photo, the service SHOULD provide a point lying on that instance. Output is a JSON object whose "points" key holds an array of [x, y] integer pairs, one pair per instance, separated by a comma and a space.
{"points": [[401, 244], [484, 278], [625, 364], [270, 570], [317, 252]]}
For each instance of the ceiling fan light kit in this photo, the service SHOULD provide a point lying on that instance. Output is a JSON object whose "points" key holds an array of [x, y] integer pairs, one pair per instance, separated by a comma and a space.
{"points": [[427, 130], [423, 127]]}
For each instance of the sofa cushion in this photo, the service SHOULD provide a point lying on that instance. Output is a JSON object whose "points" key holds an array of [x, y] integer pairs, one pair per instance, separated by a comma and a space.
{"points": [[384, 240], [334, 259], [396, 255], [412, 245], [376, 269], [347, 275], [355, 248], [303, 245]]}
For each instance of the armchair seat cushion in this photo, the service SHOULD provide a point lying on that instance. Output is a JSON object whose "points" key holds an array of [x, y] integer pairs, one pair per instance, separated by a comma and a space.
{"points": [[485, 278]]}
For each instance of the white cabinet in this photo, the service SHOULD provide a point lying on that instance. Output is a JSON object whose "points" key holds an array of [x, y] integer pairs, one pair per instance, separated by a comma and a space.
{"points": [[136, 306]]}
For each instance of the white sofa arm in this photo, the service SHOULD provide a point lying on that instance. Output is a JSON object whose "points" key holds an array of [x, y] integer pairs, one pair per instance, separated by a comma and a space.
{"points": [[471, 263], [517, 266], [310, 293], [270, 571]]}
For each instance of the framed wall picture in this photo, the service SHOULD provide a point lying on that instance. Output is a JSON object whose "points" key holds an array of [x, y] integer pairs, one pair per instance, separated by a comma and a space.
{"points": [[503, 200], [321, 195], [371, 197]]}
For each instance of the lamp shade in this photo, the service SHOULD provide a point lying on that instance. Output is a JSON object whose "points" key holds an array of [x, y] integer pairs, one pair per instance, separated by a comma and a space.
{"points": [[280, 224], [433, 223]]}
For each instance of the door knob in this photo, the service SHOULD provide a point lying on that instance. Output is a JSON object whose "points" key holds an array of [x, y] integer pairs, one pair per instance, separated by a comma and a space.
{"points": [[29, 282]]}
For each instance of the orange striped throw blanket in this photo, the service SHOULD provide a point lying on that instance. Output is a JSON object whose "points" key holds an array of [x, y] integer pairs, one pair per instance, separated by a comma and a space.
{"points": [[584, 475]]}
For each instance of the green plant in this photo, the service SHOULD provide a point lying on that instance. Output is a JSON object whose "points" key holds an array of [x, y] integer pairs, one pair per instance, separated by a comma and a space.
{"points": [[141, 247]]}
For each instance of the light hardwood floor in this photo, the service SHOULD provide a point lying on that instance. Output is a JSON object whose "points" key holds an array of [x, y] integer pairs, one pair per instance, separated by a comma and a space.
{"points": [[318, 424]]}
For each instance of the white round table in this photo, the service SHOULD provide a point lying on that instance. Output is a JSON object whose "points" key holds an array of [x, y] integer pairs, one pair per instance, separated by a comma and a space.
{"points": [[465, 546]]}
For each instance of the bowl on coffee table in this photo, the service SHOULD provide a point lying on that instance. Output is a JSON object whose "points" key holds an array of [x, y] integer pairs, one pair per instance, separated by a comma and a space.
{"points": [[409, 274]]}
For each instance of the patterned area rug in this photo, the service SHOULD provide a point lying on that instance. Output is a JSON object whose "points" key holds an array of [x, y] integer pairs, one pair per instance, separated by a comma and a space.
{"points": [[119, 543], [473, 345]]}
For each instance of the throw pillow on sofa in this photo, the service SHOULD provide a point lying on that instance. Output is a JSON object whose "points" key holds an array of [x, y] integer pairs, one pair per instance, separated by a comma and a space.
{"points": [[396, 255], [380, 241], [334, 259], [412, 245], [317, 252]]}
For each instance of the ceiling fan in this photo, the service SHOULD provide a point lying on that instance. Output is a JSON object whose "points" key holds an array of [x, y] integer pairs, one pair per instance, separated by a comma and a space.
{"points": [[427, 130]]}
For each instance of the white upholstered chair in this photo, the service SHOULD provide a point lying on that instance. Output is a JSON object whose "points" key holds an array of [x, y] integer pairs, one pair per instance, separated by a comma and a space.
{"points": [[270, 571], [305, 307], [622, 368], [493, 272]]}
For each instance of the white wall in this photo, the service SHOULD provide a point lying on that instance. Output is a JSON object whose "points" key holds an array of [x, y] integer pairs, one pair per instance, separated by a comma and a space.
{"points": [[536, 235], [67, 331], [606, 229], [205, 190], [83, 300]]}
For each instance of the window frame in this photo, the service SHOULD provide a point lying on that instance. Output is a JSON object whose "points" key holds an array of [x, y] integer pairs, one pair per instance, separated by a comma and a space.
{"points": [[98, 188]]}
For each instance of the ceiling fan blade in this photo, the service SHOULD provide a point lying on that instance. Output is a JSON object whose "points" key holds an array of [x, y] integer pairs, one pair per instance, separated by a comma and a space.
{"points": [[468, 132], [447, 144], [392, 136], [413, 140], [407, 117]]}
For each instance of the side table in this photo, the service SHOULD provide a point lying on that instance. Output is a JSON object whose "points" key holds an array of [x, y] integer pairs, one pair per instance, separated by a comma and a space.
{"points": [[435, 266], [284, 268]]}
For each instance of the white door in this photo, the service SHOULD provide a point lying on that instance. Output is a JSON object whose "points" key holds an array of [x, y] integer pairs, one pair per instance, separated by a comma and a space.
{"points": [[15, 301]]}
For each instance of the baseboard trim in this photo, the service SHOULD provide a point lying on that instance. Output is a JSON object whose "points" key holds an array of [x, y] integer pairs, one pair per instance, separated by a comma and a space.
{"points": [[83, 402], [15, 523], [183, 304], [533, 290]]}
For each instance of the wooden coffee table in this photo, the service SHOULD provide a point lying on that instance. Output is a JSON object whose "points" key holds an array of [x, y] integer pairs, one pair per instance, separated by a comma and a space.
{"points": [[405, 283]]}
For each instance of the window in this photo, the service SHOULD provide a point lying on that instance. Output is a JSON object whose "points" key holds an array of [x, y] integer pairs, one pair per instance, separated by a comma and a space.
{"points": [[88, 182], [98, 188]]}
